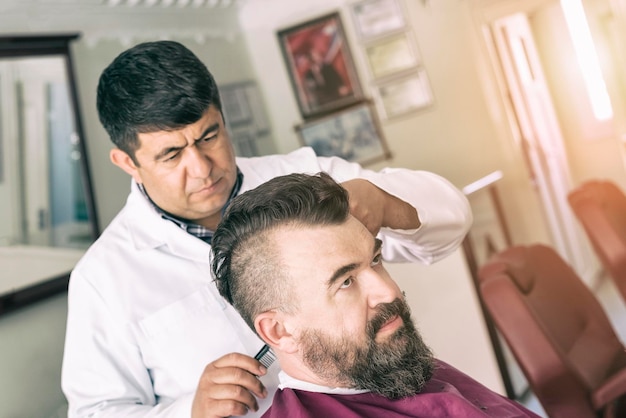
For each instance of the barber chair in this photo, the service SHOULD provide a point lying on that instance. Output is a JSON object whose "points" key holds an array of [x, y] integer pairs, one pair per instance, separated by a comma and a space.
{"points": [[600, 206], [558, 332]]}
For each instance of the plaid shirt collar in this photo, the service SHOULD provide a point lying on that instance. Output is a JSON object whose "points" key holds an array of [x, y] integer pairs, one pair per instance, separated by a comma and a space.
{"points": [[196, 230]]}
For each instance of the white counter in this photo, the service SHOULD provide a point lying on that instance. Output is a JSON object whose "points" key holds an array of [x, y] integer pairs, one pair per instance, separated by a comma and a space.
{"points": [[25, 266]]}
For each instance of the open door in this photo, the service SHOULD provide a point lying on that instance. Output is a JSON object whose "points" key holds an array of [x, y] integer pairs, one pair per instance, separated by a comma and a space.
{"points": [[539, 137]]}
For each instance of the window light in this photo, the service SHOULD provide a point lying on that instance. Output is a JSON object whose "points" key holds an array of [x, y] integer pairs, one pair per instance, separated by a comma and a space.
{"points": [[587, 58]]}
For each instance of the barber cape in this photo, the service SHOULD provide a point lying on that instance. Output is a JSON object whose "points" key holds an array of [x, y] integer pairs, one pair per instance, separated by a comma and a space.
{"points": [[449, 393]]}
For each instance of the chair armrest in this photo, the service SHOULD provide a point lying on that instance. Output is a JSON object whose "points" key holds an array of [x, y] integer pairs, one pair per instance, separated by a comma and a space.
{"points": [[612, 389]]}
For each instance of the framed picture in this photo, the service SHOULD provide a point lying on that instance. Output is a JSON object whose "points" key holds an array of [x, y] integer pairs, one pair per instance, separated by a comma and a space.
{"points": [[353, 134], [374, 18], [392, 55], [242, 106], [245, 117], [404, 95], [235, 103], [320, 65], [245, 142]]}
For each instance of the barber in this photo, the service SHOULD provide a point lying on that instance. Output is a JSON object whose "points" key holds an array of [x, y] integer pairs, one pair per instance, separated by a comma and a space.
{"points": [[148, 334]]}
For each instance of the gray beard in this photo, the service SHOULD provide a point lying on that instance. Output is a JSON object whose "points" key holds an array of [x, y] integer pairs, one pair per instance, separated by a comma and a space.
{"points": [[396, 368]]}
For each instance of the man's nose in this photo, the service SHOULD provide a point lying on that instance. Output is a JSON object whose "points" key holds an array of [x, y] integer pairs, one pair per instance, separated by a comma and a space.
{"points": [[198, 164], [381, 288]]}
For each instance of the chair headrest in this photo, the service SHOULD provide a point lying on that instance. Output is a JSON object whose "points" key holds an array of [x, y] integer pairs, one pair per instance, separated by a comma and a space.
{"points": [[600, 192], [511, 262]]}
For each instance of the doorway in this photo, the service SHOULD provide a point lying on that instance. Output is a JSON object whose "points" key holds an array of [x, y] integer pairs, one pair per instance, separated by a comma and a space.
{"points": [[41, 185], [539, 136]]}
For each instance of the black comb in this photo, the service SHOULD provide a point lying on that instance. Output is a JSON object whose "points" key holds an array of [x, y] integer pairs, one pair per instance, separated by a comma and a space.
{"points": [[266, 356]]}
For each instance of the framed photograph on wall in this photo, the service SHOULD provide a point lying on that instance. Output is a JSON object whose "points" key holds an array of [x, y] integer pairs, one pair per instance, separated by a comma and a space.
{"points": [[242, 106], [353, 134], [373, 18], [320, 65], [245, 117], [392, 55], [403, 95], [245, 142], [235, 103]]}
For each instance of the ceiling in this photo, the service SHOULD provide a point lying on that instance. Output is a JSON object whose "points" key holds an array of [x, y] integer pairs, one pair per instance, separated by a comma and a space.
{"points": [[139, 3], [128, 21], [171, 3]]}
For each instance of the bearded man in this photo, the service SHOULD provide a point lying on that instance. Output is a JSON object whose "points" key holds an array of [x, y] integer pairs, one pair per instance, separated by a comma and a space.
{"points": [[308, 278]]}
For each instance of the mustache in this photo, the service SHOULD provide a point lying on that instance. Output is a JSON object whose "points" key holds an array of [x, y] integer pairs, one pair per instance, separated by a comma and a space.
{"points": [[387, 311]]}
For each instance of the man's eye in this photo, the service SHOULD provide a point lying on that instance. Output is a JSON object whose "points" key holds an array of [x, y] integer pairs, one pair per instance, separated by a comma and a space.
{"points": [[347, 283], [377, 260], [172, 157], [209, 138]]}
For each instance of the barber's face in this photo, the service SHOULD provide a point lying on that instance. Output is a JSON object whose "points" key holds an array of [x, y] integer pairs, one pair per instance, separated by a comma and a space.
{"points": [[352, 326], [189, 172]]}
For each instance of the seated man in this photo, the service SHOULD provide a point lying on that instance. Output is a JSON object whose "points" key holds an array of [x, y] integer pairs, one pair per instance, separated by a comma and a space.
{"points": [[308, 278]]}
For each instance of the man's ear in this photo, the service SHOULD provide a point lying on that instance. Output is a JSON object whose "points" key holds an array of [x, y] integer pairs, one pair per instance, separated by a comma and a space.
{"points": [[271, 328], [123, 161]]}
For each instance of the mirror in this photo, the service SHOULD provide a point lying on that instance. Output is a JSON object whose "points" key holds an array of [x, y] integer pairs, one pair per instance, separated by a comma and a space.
{"points": [[47, 210], [45, 189]]}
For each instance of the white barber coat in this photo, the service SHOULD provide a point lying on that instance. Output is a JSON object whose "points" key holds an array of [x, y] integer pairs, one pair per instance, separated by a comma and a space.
{"points": [[145, 317]]}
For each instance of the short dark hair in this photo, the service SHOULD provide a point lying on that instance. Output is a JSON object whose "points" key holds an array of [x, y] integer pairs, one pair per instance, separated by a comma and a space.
{"points": [[247, 269], [153, 86]]}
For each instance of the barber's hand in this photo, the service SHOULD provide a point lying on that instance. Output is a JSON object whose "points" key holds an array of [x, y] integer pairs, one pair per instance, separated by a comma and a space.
{"points": [[376, 208], [228, 387], [367, 203]]}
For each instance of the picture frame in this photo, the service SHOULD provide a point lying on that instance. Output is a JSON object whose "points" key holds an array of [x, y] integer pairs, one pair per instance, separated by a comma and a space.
{"points": [[353, 134], [244, 142], [242, 106], [373, 18], [244, 116], [391, 55], [320, 65], [403, 95], [235, 104]]}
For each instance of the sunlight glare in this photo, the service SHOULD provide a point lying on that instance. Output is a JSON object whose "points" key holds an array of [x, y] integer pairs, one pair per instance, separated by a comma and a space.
{"points": [[587, 58]]}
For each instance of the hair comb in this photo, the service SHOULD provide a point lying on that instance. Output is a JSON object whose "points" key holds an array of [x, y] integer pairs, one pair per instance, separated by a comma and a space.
{"points": [[266, 356]]}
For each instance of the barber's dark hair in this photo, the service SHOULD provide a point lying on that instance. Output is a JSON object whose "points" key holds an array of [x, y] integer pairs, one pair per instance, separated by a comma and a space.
{"points": [[153, 86], [246, 268]]}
